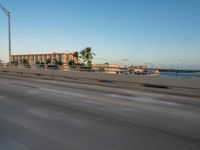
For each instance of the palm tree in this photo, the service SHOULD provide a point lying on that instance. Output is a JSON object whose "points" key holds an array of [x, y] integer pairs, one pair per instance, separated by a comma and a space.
{"points": [[76, 56], [87, 55], [82, 54]]}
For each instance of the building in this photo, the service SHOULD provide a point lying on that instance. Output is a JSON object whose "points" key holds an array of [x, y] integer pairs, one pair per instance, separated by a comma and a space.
{"points": [[138, 69], [65, 58], [108, 68]]}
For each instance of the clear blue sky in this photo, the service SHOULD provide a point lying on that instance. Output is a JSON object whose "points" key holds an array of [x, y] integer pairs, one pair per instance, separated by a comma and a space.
{"points": [[158, 32]]}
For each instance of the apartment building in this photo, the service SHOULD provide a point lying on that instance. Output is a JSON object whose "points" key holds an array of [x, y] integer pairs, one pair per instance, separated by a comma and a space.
{"points": [[65, 58]]}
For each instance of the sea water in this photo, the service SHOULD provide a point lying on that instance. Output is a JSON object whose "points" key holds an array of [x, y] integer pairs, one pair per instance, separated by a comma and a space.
{"points": [[179, 75]]}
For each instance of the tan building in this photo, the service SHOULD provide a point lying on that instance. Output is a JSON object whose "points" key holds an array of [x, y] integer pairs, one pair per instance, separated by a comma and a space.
{"points": [[107, 68], [138, 69], [65, 58]]}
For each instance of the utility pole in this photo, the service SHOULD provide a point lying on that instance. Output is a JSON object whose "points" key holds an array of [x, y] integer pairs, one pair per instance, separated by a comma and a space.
{"points": [[7, 13]]}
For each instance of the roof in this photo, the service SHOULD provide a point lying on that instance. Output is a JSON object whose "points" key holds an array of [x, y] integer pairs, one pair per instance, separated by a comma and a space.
{"points": [[54, 53]]}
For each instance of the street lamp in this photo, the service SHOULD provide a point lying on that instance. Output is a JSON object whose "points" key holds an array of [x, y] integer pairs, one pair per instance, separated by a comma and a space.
{"points": [[7, 13]]}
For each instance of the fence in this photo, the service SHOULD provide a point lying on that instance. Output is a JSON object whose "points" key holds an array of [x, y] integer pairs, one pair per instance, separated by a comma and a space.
{"points": [[64, 68]]}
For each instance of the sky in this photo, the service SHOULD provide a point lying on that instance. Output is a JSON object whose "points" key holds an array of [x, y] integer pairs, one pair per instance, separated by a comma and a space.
{"points": [[160, 33]]}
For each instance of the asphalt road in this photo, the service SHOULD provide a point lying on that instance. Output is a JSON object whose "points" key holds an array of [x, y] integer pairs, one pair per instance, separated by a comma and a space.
{"points": [[49, 115]]}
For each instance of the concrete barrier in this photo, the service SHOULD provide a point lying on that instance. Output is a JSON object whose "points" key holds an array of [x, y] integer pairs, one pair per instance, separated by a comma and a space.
{"points": [[151, 81]]}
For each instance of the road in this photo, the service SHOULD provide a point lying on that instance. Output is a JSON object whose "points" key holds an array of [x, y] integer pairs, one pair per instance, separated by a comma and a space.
{"points": [[50, 115]]}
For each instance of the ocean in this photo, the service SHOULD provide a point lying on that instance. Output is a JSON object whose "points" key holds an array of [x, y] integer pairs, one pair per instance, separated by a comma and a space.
{"points": [[179, 75]]}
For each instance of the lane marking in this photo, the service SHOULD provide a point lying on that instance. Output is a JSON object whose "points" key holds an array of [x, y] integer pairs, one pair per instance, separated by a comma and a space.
{"points": [[23, 85], [144, 99], [64, 93]]}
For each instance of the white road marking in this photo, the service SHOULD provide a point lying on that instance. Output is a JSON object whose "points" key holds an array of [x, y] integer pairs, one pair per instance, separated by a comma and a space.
{"points": [[46, 114], [144, 99], [64, 93]]}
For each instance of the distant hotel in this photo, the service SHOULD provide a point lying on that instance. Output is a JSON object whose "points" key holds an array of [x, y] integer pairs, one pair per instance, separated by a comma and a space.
{"points": [[109, 68], [65, 58]]}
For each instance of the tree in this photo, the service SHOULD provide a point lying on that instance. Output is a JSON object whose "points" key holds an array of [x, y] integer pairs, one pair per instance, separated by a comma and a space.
{"points": [[71, 63], [87, 55], [48, 61], [58, 62], [24, 62], [15, 62], [75, 55], [82, 55]]}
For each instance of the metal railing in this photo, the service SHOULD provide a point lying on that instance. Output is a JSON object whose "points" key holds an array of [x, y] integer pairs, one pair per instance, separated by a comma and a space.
{"points": [[64, 68], [113, 70]]}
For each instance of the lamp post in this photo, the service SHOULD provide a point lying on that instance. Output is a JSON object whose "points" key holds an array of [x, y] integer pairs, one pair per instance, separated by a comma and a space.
{"points": [[7, 13]]}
